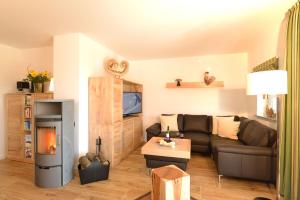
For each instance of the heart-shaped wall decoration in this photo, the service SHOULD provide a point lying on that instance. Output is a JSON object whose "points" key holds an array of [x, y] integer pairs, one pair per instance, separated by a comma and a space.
{"points": [[208, 79], [115, 68]]}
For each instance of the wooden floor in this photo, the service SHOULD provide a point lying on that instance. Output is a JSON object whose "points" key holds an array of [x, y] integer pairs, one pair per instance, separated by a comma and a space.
{"points": [[127, 181]]}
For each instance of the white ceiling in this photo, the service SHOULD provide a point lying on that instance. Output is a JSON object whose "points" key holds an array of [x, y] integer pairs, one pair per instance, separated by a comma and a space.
{"points": [[144, 29]]}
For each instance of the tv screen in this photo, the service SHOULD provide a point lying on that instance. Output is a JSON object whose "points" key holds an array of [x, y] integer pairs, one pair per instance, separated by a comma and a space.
{"points": [[132, 103]]}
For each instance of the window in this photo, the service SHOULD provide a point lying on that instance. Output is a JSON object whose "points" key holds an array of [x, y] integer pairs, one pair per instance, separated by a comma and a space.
{"points": [[267, 106]]}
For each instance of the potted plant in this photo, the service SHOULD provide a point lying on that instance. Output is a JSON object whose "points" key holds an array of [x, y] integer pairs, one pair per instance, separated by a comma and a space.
{"points": [[37, 79]]}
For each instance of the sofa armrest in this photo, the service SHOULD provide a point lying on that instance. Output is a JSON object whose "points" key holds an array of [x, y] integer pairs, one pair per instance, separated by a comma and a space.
{"points": [[154, 130], [247, 150]]}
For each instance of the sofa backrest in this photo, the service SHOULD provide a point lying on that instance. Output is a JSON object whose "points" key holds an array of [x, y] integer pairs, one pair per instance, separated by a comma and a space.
{"points": [[197, 123], [180, 122], [254, 133]]}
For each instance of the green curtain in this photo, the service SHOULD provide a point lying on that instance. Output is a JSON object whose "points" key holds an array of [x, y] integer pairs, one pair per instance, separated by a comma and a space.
{"points": [[290, 115]]}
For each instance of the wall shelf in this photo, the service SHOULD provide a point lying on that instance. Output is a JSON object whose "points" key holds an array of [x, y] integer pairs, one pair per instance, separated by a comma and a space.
{"points": [[214, 84]]}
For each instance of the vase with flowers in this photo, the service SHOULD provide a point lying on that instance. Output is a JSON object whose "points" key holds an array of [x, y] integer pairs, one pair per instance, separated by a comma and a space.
{"points": [[37, 79]]}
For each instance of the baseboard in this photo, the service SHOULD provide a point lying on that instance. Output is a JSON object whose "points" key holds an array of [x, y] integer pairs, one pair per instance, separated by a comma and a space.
{"points": [[2, 156]]}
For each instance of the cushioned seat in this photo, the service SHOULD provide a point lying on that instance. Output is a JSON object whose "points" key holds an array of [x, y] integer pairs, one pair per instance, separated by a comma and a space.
{"points": [[216, 141], [195, 127], [252, 156], [197, 138], [199, 141]]}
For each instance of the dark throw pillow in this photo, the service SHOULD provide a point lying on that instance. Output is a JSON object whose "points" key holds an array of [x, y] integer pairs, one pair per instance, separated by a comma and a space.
{"points": [[257, 134], [198, 123]]}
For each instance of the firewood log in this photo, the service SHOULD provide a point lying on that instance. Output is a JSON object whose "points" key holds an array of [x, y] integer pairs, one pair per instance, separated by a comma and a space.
{"points": [[91, 156], [84, 162]]}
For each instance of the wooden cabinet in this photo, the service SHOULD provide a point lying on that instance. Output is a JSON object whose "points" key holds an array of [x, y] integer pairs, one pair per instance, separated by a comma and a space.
{"points": [[132, 133], [20, 125], [120, 135], [128, 135], [137, 132]]}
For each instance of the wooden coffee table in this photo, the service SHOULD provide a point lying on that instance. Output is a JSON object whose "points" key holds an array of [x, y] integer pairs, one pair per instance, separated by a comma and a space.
{"points": [[158, 156]]}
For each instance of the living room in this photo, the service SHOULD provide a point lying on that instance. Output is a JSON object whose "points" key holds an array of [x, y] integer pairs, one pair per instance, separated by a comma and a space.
{"points": [[79, 42]]}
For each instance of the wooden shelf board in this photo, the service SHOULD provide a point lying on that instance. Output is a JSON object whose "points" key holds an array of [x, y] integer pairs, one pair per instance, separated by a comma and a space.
{"points": [[214, 84]]}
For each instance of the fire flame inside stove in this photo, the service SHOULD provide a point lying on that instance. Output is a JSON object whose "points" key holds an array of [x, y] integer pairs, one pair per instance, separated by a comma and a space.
{"points": [[51, 142], [47, 140], [52, 149]]}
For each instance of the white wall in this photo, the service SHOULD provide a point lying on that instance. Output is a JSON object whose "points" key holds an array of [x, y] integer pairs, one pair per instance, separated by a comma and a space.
{"points": [[65, 72], [76, 58], [39, 59], [13, 67], [154, 74], [273, 44], [10, 71], [91, 56]]}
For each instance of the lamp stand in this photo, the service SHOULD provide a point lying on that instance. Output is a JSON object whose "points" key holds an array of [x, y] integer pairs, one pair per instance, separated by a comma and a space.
{"points": [[278, 196]]}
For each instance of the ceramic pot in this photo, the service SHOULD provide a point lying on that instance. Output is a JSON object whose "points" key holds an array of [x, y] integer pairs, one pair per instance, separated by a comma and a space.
{"points": [[38, 87], [46, 86]]}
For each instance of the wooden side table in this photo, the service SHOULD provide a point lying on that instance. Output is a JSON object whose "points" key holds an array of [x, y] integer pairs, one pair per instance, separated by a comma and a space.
{"points": [[170, 183]]}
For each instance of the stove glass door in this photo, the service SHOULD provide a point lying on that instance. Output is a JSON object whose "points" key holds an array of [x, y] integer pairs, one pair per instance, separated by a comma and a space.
{"points": [[46, 143]]}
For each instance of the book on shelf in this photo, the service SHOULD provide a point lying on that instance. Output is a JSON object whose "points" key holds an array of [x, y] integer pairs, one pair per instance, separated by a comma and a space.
{"points": [[27, 125], [27, 100], [27, 112], [28, 146]]}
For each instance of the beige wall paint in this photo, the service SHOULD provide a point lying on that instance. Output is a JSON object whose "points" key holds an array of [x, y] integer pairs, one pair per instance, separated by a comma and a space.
{"points": [[39, 59], [91, 56], [13, 67], [153, 74], [65, 72], [76, 58], [270, 46], [10, 71]]}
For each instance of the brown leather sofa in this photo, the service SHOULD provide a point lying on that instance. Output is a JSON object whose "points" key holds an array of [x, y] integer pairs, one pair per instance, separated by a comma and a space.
{"points": [[252, 156], [195, 127]]}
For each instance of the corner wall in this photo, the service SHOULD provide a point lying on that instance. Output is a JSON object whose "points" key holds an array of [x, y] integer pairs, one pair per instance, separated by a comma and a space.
{"points": [[269, 47], [76, 58], [11, 71], [154, 74], [13, 68]]}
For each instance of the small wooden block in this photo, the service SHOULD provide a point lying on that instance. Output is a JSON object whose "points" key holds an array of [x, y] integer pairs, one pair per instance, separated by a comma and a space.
{"points": [[170, 183]]}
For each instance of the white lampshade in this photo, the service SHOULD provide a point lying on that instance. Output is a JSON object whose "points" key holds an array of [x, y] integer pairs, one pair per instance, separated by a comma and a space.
{"points": [[51, 86], [271, 82]]}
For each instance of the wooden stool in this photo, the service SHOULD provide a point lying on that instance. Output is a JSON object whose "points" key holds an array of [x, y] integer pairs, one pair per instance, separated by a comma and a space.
{"points": [[170, 183]]}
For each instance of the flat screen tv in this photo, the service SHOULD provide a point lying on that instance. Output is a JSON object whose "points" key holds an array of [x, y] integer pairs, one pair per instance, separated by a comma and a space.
{"points": [[132, 103]]}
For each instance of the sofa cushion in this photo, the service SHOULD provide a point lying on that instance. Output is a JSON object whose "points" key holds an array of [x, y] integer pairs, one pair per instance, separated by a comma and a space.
{"points": [[214, 125], [197, 138], [227, 127], [215, 121], [257, 134], [180, 122], [243, 124], [198, 123], [168, 121], [216, 141], [235, 117]]}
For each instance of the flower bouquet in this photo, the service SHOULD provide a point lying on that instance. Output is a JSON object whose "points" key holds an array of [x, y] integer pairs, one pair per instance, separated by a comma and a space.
{"points": [[37, 79]]}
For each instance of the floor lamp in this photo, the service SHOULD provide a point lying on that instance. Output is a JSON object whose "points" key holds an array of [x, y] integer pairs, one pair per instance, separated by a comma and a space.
{"points": [[272, 82]]}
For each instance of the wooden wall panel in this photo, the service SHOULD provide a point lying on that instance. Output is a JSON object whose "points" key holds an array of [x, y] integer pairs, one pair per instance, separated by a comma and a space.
{"points": [[106, 118], [128, 129], [118, 100], [118, 143], [138, 132], [15, 130], [15, 113], [15, 146], [100, 115]]}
